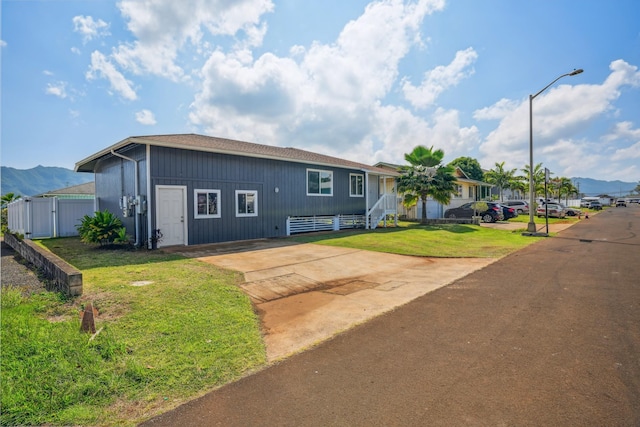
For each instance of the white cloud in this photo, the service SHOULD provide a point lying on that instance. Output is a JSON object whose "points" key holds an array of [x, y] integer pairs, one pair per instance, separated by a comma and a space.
{"points": [[101, 67], [145, 117], [623, 130], [440, 79], [327, 95], [162, 27], [497, 111], [57, 89], [3, 43], [558, 113], [90, 29], [75, 50]]}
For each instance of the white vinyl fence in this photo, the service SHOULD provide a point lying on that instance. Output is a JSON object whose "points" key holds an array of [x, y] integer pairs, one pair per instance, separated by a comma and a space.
{"points": [[43, 217]]}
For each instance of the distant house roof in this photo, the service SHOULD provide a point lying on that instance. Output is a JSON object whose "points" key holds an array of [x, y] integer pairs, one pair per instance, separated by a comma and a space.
{"points": [[228, 146], [461, 176], [81, 190]]}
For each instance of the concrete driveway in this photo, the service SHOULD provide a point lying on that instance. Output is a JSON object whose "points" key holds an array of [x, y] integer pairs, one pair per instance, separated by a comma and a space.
{"points": [[307, 293]]}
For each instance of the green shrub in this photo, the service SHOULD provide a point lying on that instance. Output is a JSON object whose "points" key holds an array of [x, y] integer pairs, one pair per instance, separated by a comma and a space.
{"points": [[103, 228]]}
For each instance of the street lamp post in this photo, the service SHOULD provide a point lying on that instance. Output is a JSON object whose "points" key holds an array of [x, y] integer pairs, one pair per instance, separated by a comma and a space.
{"points": [[531, 227]]}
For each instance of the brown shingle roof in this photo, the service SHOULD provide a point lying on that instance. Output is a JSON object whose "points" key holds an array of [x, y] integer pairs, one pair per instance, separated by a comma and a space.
{"points": [[88, 188], [229, 146]]}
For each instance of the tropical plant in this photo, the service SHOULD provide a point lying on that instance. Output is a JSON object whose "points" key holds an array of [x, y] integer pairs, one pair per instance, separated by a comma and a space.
{"points": [[563, 186], [8, 198], [501, 177], [538, 178], [426, 176], [103, 228]]}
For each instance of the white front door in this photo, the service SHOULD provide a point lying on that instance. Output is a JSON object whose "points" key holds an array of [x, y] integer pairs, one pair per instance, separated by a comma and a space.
{"points": [[171, 214]]}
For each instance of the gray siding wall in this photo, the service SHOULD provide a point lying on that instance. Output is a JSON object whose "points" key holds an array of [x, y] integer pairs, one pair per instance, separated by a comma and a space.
{"points": [[114, 178], [228, 173]]}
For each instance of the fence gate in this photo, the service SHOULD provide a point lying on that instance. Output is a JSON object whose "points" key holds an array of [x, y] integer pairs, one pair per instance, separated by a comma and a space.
{"points": [[43, 217]]}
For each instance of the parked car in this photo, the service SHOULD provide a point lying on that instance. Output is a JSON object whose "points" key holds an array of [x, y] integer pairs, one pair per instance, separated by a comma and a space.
{"points": [[571, 211], [487, 211], [595, 205], [621, 202], [521, 206], [586, 201], [508, 212], [551, 210]]}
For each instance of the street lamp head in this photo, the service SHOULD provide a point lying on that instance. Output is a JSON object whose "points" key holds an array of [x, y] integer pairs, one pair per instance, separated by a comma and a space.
{"points": [[575, 72]]}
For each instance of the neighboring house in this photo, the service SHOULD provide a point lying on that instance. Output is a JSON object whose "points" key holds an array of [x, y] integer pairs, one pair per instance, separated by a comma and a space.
{"points": [[467, 190], [80, 191], [194, 189]]}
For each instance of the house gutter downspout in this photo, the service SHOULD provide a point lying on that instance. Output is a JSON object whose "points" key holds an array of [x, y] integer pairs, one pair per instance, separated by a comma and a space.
{"points": [[366, 200], [137, 193]]}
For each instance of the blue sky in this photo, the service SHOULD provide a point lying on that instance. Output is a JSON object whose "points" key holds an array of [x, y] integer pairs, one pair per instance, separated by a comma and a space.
{"points": [[361, 80]]}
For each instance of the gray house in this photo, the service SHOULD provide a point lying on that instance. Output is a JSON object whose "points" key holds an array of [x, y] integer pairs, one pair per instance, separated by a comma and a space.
{"points": [[194, 189]]}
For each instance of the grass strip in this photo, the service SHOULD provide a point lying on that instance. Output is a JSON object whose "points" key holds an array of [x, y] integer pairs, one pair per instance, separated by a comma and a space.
{"points": [[189, 329]]}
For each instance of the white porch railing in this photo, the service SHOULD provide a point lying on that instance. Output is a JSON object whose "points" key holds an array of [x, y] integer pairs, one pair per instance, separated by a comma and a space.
{"points": [[307, 224], [386, 205]]}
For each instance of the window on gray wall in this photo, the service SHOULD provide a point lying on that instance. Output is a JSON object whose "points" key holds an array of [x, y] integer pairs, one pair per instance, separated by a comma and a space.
{"points": [[319, 182], [207, 203], [356, 187], [246, 203]]}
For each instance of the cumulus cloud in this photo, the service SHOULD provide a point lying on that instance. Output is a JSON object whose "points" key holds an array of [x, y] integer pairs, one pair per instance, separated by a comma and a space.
{"points": [[327, 95], [165, 26], [440, 79], [103, 68], [90, 29], [558, 113], [145, 117]]}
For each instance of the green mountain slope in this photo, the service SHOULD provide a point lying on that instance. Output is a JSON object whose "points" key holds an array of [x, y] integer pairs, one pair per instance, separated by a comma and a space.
{"points": [[30, 182]]}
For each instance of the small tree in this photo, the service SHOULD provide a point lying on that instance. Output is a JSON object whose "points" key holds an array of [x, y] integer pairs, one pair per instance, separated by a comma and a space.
{"points": [[426, 177], [103, 228]]}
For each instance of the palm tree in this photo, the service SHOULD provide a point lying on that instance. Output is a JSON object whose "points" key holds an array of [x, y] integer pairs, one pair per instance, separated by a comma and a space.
{"points": [[8, 198], [500, 177], [424, 177], [564, 187], [538, 178]]}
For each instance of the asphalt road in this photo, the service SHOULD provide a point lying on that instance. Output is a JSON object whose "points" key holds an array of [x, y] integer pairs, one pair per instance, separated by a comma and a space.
{"points": [[548, 336]]}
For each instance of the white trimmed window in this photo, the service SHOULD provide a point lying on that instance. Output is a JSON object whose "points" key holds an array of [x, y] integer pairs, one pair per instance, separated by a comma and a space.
{"points": [[319, 182], [356, 185], [246, 203], [206, 204]]}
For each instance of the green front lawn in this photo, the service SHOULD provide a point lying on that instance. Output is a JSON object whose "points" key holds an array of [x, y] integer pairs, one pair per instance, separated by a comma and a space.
{"points": [[171, 328], [445, 240]]}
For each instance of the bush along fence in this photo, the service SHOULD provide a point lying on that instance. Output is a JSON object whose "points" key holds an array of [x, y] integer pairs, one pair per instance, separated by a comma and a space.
{"points": [[61, 276]]}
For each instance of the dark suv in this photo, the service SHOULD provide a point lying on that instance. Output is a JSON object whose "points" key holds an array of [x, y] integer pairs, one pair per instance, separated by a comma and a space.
{"points": [[488, 211]]}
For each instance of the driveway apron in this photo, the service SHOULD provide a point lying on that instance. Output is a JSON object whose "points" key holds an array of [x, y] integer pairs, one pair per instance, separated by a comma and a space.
{"points": [[306, 293]]}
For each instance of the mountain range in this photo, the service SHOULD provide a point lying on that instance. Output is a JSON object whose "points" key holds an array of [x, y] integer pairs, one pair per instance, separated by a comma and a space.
{"points": [[38, 180], [41, 179]]}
